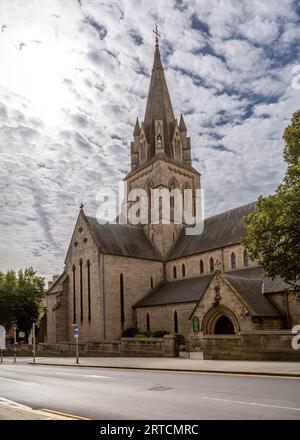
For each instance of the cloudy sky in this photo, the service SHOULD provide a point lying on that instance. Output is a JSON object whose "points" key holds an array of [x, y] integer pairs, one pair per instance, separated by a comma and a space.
{"points": [[74, 75]]}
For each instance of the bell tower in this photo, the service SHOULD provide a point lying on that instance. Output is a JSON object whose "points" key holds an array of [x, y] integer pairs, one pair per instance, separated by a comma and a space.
{"points": [[161, 154]]}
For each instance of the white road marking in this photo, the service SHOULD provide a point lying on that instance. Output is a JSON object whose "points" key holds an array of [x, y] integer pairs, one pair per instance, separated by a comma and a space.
{"points": [[96, 376], [19, 381], [84, 375], [251, 403]]}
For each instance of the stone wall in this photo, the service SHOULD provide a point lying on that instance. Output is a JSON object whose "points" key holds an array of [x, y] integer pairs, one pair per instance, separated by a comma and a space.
{"points": [[263, 345], [162, 317], [233, 306], [137, 275], [152, 347], [192, 263]]}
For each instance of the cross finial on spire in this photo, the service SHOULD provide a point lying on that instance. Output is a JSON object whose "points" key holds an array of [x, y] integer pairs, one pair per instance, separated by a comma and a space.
{"points": [[157, 35], [81, 205]]}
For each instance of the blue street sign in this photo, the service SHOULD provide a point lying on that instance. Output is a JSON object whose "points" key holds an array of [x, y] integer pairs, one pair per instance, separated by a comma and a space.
{"points": [[76, 331]]}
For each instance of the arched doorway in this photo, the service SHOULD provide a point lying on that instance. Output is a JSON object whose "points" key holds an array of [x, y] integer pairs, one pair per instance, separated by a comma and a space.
{"points": [[224, 326], [220, 320]]}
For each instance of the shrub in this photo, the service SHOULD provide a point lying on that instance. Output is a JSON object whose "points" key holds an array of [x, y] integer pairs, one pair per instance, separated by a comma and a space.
{"points": [[160, 333], [130, 332]]}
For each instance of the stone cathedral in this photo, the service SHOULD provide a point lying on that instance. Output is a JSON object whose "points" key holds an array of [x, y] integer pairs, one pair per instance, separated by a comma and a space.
{"points": [[155, 276]]}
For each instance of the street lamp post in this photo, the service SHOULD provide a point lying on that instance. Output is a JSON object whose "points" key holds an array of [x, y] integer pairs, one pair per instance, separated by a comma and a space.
{"points": [[15, 344], [33, 341], [76, 337]]}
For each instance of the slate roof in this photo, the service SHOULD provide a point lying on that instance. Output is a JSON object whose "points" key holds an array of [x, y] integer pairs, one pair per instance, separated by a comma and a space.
{"points": [[56, 287], [185, 290], [247, 282], [276, 285], [116, 239], [220, 230], [250, 290]]}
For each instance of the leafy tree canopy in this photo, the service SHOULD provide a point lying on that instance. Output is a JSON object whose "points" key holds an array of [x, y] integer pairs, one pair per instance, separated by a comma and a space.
{"points": [[21, 298], [273, 229]]}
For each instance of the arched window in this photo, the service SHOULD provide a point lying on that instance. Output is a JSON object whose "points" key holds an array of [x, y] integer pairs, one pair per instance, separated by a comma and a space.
{"points": [[159, 143], [151, 282], [148, 322], [122, 310], [246, 258], [211, 264], [176, 329], [74, 293], [201, 267], [233, 261], [88, 265], [183, 270], [148, 188], [173, 184], [174, 272], [81, 291]]}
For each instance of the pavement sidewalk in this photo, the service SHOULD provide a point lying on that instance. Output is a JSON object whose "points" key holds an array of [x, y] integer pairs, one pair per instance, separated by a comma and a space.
{"points": [[10, 410], [194, 364]]}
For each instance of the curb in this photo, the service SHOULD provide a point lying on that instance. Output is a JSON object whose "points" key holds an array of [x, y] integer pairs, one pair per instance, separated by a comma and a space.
{"points": [[176, 370]]}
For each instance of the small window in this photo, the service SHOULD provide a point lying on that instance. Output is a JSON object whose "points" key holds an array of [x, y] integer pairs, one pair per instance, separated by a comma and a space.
{"points": [[76, 244], [183, 270], [233, 261], [81, 290], [151, 282], [148, 322], [122, 300], [201, 267], [85, 240], [172, 203], [174, 272], [80, 229], [212, 264], [246, 258], [176, 329], [74, 293], [88, 264]]}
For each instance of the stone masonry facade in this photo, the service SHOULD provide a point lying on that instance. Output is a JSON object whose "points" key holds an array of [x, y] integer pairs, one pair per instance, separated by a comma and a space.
{"points": [[154, 276]]}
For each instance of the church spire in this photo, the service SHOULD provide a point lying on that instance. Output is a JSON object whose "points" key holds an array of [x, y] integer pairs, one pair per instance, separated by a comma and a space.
{"points": [[159, 105], [159, 135]]}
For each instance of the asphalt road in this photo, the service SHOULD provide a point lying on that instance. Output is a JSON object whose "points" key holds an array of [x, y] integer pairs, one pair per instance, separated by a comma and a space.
{"points": [[121, 394]]}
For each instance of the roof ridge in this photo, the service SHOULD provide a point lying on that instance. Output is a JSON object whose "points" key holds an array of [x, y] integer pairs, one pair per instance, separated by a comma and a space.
{"points": [[230, 210]]}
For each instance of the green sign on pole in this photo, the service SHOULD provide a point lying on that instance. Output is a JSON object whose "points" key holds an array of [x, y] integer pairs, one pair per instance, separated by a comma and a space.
{"points": [[196, 325]]}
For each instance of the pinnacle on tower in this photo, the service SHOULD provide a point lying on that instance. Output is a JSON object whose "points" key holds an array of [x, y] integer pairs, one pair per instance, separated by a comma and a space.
{"points": [[137, 128]]}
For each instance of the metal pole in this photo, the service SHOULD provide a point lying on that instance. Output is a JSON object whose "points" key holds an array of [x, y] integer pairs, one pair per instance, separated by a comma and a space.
{"points": [[33, 341], [1, 356], [77, 352], [15, 344]]}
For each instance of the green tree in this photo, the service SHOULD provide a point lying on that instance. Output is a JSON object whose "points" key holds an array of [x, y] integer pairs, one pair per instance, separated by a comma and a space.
{"points": [[273, 229], [21, 299], [8, 284], [29, 295]]}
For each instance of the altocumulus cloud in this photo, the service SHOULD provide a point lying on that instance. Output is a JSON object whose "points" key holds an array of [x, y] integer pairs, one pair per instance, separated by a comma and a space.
{"points": [[74, 77]]}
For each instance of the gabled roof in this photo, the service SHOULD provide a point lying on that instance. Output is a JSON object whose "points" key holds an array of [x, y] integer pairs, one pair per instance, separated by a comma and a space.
{"points": [[250, 290], [123, 240], [57, 285], [185, 290], [244, 282], [221, 230]]}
